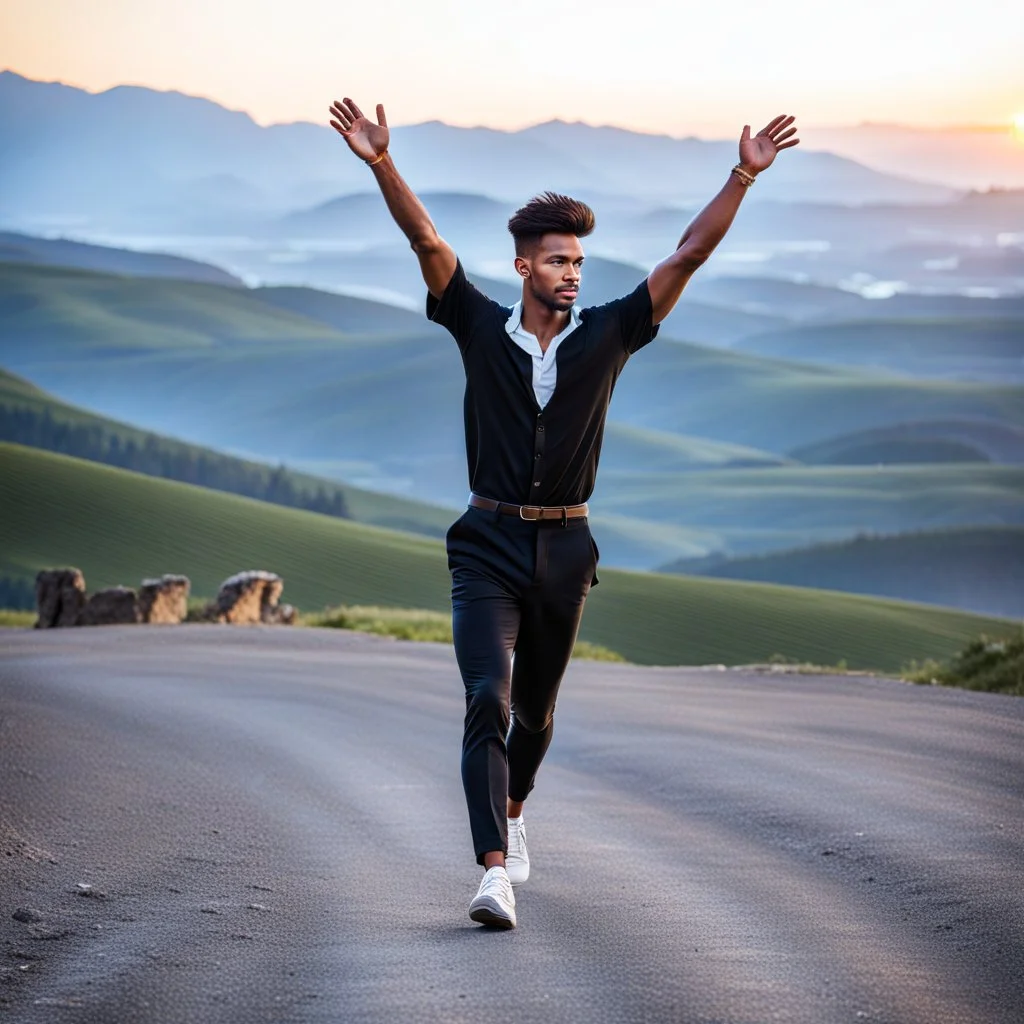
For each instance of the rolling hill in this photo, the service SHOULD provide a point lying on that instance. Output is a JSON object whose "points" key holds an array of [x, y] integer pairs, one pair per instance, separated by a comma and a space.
{"points": [[976, 568], [956, 349], [62, 252], [117, 527], [929, 441]]}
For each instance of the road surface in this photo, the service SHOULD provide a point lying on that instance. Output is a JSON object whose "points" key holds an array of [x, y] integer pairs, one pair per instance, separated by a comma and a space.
{"points": [[216, 824]]}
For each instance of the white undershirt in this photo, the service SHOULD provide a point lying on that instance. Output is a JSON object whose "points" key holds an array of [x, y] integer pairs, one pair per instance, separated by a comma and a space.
{"points": [[544, 368]]}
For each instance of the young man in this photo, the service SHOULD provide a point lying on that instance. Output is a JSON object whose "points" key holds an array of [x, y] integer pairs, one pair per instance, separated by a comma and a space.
{"points": [[539, 377]]}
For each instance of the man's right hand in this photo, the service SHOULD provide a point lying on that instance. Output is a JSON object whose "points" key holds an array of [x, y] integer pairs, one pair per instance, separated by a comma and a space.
{"points": [[366, 139]]}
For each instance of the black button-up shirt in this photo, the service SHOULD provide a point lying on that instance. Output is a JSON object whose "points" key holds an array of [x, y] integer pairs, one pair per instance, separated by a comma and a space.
{"points": [[517, 452]]}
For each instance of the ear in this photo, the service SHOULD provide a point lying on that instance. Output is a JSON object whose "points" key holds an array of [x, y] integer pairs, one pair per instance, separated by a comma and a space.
{"points": [[522, 267]]}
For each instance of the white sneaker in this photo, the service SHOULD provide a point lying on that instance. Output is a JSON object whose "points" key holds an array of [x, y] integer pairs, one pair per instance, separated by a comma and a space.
{"points": [[494, 903], [517, 860]]}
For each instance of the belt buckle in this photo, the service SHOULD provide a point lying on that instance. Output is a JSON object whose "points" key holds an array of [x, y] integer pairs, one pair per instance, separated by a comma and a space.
{"points": [[529, 519]]}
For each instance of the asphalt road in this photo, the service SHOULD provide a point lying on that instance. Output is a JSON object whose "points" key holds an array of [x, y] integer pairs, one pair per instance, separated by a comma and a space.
{"points": [[272, 826]]}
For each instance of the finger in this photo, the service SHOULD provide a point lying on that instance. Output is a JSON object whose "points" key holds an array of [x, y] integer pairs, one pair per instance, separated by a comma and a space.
{"points": [[352, 106], [338, 128], [381, 119], [745, 137], [772, 124], [786, 145], [784, 135], [344, 110]]}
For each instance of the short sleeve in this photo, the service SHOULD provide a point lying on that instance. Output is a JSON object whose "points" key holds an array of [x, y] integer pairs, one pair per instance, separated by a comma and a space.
{"points": [[461, 308], [635, 313]]}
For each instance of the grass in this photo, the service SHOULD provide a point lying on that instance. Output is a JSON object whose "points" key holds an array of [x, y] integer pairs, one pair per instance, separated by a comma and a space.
{"points": [[418, 624], [118, 527], [15, 618]]}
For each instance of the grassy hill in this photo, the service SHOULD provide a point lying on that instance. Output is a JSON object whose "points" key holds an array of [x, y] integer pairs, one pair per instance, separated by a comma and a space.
{"points": [[952, 440], [117, 527], [964, 349], [812, 497], [197, 360], [975, 568], [68, 427], [19, 248]]}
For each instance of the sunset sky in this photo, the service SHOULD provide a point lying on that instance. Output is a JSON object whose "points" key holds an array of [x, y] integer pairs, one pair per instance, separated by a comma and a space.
{"points": [[653, 65]]}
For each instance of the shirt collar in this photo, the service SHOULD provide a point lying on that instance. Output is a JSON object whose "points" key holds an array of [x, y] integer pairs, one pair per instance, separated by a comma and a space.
{"points": [[515, 321]]}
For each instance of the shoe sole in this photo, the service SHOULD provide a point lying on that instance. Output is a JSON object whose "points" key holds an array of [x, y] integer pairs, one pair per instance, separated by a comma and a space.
{"points": [[485, 913]]}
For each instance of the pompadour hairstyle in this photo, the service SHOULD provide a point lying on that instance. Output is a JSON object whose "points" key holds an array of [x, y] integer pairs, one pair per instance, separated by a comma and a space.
{"points": [[546, 213]]}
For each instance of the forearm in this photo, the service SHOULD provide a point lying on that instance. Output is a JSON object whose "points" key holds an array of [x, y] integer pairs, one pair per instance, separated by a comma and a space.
{"points": [[406, 209], [709, 227]]}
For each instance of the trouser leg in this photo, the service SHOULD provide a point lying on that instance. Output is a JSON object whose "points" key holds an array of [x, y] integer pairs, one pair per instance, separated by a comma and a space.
{"points": [[485, 624], [550, 622]]}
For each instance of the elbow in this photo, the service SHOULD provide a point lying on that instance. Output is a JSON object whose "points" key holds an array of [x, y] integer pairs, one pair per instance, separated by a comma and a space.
{"points": [[425, 243], [688, 258]]}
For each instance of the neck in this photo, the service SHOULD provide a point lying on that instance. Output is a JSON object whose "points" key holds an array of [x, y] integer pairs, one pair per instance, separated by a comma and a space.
{"points": [[542, 321]]}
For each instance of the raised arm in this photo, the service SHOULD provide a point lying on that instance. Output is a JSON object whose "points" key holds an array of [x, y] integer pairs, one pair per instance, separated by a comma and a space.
{"points": [[667, 280], [369, 142]]}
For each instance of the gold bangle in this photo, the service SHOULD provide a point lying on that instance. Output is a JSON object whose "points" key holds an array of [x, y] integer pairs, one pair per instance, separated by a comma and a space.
{"points": [[745, 176], [370, 163]]}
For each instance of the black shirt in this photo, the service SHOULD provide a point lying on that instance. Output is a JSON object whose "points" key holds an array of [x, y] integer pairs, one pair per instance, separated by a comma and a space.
{"points": [[517, 452]]}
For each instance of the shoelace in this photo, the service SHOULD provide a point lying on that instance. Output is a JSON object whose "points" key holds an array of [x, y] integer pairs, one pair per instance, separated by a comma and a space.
{"points": [[500, 881]]}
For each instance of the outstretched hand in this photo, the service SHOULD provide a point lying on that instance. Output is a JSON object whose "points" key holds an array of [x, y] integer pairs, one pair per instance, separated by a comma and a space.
{"points": [[366, 139], [758, 152]]}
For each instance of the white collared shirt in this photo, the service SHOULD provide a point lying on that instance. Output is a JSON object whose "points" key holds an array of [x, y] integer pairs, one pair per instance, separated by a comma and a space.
{"points": [[544, 367]]}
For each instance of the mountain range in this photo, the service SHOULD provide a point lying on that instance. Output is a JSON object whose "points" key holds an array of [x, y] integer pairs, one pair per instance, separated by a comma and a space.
{"points": [[135, 157]]}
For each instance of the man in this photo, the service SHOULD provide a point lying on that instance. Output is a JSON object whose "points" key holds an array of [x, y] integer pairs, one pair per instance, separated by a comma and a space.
{"points": [[539, 378]]}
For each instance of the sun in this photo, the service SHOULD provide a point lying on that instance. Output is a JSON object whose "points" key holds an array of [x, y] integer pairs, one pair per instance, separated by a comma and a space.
{"points": [[1018, 127]]}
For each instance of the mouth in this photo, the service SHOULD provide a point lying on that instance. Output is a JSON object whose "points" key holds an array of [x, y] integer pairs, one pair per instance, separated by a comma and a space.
{"points": [[567, 291]]}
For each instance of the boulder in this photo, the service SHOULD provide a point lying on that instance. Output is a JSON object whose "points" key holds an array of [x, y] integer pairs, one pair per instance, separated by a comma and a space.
{"points": [[250, 597], [60, 597], [164, 600], [111, 607]]}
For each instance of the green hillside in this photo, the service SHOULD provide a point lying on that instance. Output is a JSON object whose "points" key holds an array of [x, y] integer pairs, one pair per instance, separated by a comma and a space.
{"points": [[976, 568], [118, 527], [29, 412]]}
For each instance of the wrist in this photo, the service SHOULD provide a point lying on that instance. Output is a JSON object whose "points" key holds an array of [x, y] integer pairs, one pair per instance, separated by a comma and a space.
{"points": [[376, 160], [744, 176]]}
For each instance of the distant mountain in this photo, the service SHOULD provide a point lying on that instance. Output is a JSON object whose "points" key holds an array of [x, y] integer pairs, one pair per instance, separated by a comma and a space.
{"points": [[975, 157], [134, 157]]}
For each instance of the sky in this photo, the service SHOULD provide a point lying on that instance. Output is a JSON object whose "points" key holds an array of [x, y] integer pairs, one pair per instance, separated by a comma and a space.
{"points": [[650, 65]]}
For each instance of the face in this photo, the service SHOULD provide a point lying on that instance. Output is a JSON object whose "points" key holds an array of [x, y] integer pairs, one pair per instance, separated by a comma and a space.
{"points": [[552, 271]]}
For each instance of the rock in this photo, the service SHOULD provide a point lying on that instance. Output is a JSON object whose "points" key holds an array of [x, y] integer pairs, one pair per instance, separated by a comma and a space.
{"points": [[164, 599], [250, 597], [60, 597], [110, 607], [27, 915]]}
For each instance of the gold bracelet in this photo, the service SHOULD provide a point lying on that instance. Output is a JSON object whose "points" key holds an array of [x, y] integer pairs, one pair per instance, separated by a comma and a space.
{"points": [[745, 176], [370, 163]]}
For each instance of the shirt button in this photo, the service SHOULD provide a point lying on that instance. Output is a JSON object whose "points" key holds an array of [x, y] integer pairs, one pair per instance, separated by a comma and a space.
{"points": [[537, 456], [536, 483]]}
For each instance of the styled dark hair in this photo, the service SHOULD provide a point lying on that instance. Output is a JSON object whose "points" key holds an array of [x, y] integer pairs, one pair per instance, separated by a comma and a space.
{"points": [[546, 213]]}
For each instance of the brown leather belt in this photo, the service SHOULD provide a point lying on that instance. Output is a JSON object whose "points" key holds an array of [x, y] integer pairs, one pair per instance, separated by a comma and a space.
{"points": [[530, 512]]}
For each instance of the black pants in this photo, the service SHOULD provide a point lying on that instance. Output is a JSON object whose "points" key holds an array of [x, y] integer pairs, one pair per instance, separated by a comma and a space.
{"points": [[518, 588]]}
